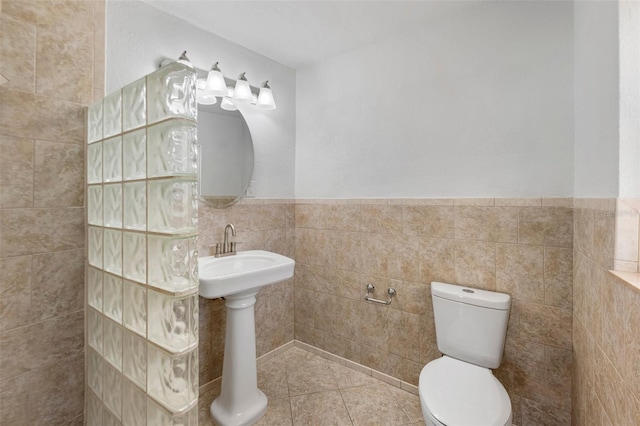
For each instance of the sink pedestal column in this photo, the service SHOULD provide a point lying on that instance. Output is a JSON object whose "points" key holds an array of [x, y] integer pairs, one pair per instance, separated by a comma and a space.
{"points": [[240, 401]]}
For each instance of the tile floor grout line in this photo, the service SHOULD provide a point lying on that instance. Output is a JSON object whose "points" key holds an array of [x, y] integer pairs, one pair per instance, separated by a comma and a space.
{"points": [[400, 403], [346, 407], [302, 371], [286, 375]]}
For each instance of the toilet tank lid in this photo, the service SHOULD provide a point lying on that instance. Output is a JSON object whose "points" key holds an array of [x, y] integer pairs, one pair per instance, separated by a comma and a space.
{"points": [[471, 296]]}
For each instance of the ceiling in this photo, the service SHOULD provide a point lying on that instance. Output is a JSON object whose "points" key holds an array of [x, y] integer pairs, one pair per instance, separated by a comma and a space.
{"points": [[300, 33]]}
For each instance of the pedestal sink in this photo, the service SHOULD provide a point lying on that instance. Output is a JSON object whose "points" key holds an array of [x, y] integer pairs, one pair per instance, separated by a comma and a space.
{"points": [[238, 279]]}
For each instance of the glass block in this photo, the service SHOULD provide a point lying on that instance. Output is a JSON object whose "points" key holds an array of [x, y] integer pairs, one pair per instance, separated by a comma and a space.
{"points": [[94, 323], [134, 406], [134, 105], [94, 288], [158, 416], [171, 149], [113, 344], [94, 205], [134, 158], [135, 253], [112, 390], [94, 372], [193, 261], [113, 205], [113, 251], [94, 125], [171, 92], [95, 240], [112, 159], [170, 325], [112, 114], [113, 297], [94, 163], [94, 410], [135, 206], [135, 308], [173, 206], [134, 363], [170, 263], [169, 377], [195, 319], [194, 371]]}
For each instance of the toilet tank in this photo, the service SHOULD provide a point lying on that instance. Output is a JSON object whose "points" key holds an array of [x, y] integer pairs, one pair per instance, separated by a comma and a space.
{"points": [[471, 324]]}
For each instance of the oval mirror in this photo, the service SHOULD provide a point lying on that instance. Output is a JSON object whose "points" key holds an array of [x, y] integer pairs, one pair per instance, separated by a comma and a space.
{"points": [[226, 155]]}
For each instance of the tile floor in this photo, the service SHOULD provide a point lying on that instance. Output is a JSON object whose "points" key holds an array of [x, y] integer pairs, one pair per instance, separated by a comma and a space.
{"points": [[305, 389]]}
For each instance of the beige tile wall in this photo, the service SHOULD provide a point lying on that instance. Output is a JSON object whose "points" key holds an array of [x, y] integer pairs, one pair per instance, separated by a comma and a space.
{"points": [[626, 256], [260, 225], [53, 57], [606, 318], [519, 246]]}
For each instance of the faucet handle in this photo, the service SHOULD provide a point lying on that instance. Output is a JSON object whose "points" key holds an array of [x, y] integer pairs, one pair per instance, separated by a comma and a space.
{"points": [[214, 249]]}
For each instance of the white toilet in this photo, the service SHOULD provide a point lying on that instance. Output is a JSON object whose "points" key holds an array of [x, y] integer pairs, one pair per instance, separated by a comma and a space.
{"points": [[459, 389]]}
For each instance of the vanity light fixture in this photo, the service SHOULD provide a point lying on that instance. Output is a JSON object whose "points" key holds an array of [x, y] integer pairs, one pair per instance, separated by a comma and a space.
{"points": [[265, 97], [232, 92], [228, 105], [242, 91], [215, 81], [204, 96]]}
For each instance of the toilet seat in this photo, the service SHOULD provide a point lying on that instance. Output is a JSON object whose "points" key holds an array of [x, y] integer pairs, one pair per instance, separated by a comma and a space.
{"points": [[457, 393]]}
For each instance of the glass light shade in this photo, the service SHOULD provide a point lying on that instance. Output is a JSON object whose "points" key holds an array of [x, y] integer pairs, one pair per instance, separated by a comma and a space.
{"points": [[215, 81], [227, 105], [204, 96], [242, 91], [265, 98]]}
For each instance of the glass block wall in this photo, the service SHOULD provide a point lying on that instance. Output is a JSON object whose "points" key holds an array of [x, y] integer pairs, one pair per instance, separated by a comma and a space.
{"points": [[142, 282]]}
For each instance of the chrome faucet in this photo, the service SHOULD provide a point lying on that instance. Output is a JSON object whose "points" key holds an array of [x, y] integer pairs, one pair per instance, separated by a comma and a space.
{"points": [[227, 248]]}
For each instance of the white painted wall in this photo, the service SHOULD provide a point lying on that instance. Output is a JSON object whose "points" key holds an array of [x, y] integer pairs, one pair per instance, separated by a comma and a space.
{"points": [[629, 30], [596, 85], [485, 103], [138, 36], [480, 104]]}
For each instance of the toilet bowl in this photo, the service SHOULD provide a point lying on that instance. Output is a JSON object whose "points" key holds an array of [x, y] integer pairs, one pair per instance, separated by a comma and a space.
{"points": [[459, 389], [456, 393]]}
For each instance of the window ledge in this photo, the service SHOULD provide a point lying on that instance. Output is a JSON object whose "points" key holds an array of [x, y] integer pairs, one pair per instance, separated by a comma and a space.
{"points": [[631, 278]]}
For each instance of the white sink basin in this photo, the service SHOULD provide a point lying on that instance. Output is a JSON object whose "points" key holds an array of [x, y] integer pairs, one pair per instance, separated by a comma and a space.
{"points": [[245, 271]]}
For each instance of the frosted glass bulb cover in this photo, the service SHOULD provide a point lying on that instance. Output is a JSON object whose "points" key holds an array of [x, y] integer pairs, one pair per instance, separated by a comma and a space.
{"points": [[265, 99], [227, 105], [242, 92], [205, 98], [216, 84]]}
